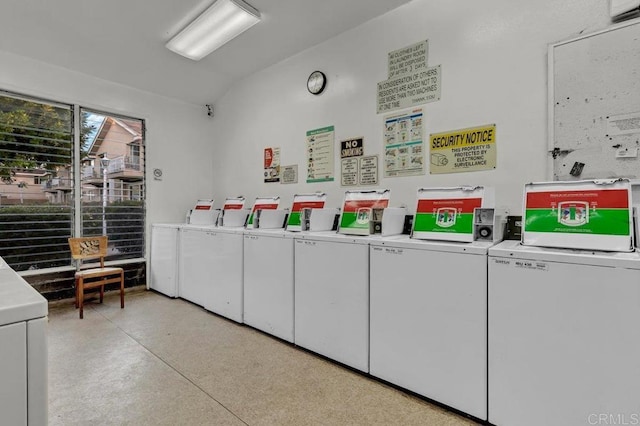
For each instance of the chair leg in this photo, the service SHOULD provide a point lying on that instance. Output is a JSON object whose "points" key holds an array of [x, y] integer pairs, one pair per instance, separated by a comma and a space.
{"points": [[76, 288], [122, 290], [81, 296], [101, 292]]}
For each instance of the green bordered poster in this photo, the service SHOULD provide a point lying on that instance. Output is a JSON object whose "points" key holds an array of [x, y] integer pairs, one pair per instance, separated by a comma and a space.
{"points": [[358, 208], [303, 201], [447, 213], [320, 161], [591, 215], [262, 203]]}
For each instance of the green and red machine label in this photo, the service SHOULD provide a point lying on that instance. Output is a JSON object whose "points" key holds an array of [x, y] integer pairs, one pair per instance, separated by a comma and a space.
{"points": [[447, 213], [271, 203], [233, 204], [582, 214], [358, 208], [310, 201]]}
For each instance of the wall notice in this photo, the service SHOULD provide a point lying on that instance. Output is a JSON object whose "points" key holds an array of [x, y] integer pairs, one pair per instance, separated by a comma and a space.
{"points": [[623, 124], [320, 162], [466, 150], [369, 170], [408, 90], [352, 148], [408, 59], [404, 144], [272, 165], [289, 174], [359, 171], [349, 172]]}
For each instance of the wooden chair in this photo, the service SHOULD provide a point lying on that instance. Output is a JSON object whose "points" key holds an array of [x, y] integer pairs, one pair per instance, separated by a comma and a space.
{"points": [[94, 248]]}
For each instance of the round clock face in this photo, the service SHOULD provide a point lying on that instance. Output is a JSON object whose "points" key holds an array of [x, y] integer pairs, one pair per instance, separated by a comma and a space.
{"points": [[316, 82]]}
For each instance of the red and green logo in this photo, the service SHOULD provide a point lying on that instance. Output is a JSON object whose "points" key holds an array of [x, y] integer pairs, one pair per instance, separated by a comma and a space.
{"points": [[356, 214], [452, 215], [599, 212]]}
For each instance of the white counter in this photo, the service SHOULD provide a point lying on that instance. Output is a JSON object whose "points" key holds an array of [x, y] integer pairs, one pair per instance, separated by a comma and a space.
{"points": [[23, 351]]}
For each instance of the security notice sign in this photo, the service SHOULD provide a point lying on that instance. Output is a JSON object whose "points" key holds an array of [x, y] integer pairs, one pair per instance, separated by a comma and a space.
{"points": [[466, 150]]}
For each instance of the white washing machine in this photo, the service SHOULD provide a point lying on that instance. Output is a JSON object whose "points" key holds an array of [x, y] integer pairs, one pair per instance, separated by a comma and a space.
{"points": [[268, 281], [163, 269], [332, 296], [429, 319], [197, 254], [563, 336], [211, 268]]}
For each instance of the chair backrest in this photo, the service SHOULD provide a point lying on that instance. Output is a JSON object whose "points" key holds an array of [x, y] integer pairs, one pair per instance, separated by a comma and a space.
{"points": [[89, 248]]}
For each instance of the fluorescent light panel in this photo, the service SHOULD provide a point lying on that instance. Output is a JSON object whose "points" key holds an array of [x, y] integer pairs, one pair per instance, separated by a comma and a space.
{"points": [[220, 23]]}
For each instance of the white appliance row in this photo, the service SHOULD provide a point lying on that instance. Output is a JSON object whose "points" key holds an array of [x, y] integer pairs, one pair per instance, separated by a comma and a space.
{"points": [[512, 334]]}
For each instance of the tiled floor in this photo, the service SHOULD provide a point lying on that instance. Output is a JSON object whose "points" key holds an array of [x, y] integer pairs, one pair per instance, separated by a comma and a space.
{"points": [[167, 362]]}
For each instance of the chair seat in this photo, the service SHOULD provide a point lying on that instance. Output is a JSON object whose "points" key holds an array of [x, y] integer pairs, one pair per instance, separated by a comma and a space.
{"points": [[97, 272]]}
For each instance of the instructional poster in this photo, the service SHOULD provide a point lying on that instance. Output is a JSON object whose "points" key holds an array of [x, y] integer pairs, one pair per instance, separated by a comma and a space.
{"points": [[447, 213], [271, 165], [404, 144], [304, 201], [465, 150], [358, 209], [265, 203], [320, 160], [580, 214]]}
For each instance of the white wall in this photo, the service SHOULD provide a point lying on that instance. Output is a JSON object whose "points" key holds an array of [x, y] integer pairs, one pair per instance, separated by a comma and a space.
{"points": [[494, 70], [178, 134]]}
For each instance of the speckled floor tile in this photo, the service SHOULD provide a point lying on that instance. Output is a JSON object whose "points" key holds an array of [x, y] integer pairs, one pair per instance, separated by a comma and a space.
{"points": [[166, 361]]}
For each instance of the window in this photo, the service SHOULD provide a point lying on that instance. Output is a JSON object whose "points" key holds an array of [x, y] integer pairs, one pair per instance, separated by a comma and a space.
{"points": [[38, 184], [113, 183], [35, 220]]}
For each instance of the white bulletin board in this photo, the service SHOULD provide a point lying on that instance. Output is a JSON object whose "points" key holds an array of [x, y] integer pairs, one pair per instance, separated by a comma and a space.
{"points": [[594, 105]]}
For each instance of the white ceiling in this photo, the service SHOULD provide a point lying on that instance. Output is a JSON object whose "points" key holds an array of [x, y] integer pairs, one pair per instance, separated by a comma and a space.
{"points": [[123, 40]]}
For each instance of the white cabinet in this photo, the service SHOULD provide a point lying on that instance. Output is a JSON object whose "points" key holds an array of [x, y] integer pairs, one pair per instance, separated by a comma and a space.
{"points": [[429, 320], [23, 352], [268, 282], [332, 297], [13, 374], [563, 336], [211, 269], [163, 269]]}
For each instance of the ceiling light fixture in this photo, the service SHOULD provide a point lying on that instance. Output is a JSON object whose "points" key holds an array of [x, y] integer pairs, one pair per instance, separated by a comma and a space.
{"points": [[220, 23]]}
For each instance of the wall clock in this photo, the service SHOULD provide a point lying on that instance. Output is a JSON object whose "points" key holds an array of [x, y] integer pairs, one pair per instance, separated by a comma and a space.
{"points": [[316, 82]]}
